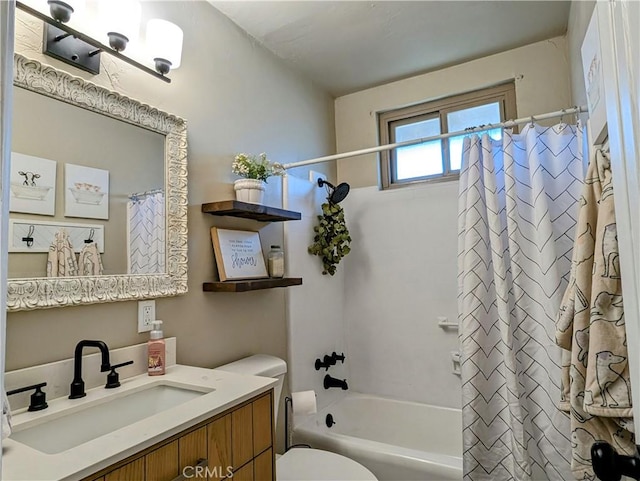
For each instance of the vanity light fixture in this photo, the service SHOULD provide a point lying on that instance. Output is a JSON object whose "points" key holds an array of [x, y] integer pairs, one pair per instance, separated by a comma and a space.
{"points": [[61, 11], [165, 44], [122, 23]]}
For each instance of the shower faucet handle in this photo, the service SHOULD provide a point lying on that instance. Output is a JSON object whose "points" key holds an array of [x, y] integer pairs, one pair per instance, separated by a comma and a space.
{"points": [[337, 357], [326, 363]]}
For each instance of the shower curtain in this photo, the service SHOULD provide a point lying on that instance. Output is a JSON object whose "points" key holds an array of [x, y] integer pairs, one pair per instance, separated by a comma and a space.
{"points": [[146, 234], [516, 217]]}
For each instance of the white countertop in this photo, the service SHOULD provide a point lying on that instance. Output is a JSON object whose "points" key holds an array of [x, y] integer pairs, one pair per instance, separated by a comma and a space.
{"points": [[21, 462]]}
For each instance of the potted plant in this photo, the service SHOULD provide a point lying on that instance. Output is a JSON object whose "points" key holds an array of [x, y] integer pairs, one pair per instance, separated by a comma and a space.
{"points": [[254, 170]]}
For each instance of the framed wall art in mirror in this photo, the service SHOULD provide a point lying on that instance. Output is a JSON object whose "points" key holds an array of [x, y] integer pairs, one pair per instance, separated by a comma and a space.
{"points": [[120, 121]]}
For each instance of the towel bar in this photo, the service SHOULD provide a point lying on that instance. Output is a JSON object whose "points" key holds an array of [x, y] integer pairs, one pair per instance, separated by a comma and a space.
{"points": [[444, 323]]}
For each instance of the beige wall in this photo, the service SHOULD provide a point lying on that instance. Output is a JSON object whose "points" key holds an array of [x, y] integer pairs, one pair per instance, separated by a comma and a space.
{"points": [[236, 97], [541, 71]]}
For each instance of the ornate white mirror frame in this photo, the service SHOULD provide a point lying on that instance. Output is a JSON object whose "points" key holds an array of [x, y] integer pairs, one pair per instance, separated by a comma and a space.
{"points": [[44, 292]]}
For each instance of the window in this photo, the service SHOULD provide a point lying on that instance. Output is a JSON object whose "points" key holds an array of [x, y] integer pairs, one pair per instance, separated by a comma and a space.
{"points": [[438, 159]]}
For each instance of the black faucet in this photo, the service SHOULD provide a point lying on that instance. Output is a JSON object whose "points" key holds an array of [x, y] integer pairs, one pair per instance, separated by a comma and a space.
{"points": [[113, 378], [77, 385], [38, 398], [330, 382]]}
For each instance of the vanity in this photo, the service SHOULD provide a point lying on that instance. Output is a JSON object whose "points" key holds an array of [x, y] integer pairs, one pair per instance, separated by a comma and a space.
{"points": [[237, 443], [218, 423]]}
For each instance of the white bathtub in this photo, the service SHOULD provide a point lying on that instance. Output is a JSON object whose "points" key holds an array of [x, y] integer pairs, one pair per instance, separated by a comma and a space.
{"points": [[396, 440]]}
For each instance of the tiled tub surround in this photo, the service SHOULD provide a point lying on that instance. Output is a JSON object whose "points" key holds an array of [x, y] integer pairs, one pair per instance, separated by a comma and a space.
{"points": [[223, 390]]}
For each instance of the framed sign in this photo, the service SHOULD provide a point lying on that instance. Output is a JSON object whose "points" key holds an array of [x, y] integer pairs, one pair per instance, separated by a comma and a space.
{"points": [[238, 254], [86, 192], [33, 185]]}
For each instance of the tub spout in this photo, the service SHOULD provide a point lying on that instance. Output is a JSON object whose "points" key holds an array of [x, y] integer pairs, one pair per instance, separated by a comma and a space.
{"points": [[330, 382]]}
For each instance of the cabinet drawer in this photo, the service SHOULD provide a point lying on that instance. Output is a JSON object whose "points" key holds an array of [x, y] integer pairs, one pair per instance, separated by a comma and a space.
{"points": [[162, 463], [242, 435], [262, 424], [192, 447], [219, 446], [263, 467]]}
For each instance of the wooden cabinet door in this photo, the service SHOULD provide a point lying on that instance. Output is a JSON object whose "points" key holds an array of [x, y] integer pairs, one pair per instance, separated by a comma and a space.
{"points": [[192, 447], [262, 424], [242, 435], [219, 447], [133, 471], [245, 473], [263, 466], [162, 464]]}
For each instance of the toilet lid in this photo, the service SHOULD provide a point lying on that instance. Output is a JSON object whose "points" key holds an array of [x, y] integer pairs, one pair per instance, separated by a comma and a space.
{"points": [[303, 464]]}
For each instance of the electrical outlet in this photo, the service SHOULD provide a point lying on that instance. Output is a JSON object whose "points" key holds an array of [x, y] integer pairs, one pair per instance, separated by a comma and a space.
{"points": [[146, 315]]}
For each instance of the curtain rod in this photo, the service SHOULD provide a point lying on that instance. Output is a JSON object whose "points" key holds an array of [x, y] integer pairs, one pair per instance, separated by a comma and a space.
{"points": [[371, 150], [145, 193]]}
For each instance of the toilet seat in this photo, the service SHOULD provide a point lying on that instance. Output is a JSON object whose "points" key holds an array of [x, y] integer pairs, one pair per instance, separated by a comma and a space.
{"points": [[301, 464]]}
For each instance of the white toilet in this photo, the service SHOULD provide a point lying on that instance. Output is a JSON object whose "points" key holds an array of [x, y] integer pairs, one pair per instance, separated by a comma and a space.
{"points": [[299, 464]]}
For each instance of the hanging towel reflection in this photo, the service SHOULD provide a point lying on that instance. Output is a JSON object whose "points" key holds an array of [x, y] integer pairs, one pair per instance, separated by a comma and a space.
{"points": [[61, 261], [89, 260], [146, 233]]}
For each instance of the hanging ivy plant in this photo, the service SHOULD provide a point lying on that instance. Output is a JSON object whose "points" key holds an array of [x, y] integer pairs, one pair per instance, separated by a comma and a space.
{"points": [[331, 241]]}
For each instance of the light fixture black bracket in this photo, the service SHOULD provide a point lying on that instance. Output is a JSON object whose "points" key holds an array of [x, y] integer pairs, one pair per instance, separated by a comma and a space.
{"points": [[69, 49], [96, 46]]}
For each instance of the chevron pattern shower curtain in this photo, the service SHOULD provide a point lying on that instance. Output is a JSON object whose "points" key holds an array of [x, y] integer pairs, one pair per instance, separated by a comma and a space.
{"points": [[146, 234], [517, 214]]}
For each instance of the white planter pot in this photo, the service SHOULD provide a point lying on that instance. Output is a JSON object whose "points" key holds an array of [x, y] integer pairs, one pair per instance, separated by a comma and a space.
{"points": [[249, 190]]}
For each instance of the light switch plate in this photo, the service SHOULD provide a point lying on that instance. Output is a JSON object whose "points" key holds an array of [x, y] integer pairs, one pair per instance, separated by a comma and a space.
{"points": [[146, 315]]}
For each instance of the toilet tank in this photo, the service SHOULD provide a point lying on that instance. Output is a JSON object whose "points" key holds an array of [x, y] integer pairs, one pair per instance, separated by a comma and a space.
{"points": [[261, 365]]}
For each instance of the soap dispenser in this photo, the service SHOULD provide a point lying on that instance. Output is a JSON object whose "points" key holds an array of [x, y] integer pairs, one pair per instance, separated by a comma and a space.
{"points": [[156, 350]]}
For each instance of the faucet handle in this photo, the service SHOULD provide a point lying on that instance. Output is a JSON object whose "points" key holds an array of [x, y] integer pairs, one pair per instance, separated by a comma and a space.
{"points": [[113, 378], [337, 357], [326, 362], [38, 398]]}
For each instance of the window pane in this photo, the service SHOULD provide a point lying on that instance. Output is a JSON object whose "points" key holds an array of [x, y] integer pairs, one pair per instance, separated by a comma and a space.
{"points": [[418, 160], [472, 117], [455, 147]]}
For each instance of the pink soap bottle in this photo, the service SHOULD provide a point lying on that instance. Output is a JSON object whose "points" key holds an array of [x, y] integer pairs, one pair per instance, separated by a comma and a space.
{"points": [[156, 351]]}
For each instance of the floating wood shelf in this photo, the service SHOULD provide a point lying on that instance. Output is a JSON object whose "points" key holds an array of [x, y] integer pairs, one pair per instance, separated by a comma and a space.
{"points": [[250, 284], [263, 213]]}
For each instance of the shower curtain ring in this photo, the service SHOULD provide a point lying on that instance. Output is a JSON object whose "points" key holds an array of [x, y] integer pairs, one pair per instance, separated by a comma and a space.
{"points": [[532, 121]]}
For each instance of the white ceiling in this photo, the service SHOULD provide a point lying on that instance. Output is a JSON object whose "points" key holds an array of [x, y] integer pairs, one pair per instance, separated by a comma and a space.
{"points": [[346, 46]]}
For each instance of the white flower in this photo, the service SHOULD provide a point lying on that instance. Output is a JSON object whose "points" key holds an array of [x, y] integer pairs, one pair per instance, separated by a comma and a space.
{"points": [[251, 167]]}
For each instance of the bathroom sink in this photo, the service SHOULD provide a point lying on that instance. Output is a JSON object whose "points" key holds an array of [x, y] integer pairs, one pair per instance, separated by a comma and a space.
{"points": [[92, 420]]}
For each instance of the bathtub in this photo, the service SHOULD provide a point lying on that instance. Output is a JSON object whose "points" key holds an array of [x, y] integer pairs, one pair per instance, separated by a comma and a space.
{"points": [[396, 440]]}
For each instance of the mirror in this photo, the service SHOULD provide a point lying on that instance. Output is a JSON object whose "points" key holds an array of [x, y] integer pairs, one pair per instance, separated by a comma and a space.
{"points": [[70, 138], [91, 157]]}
